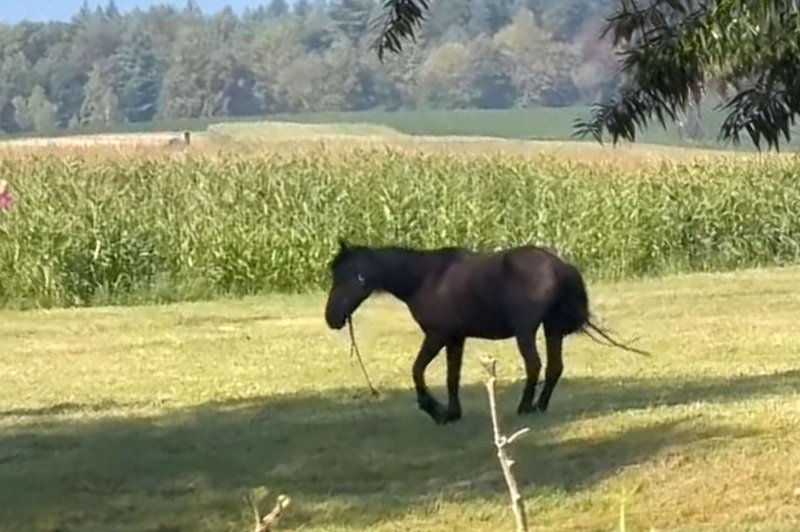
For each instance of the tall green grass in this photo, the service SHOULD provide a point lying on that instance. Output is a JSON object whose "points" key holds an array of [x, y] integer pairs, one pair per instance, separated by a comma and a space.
{"points": [[121, 231]]}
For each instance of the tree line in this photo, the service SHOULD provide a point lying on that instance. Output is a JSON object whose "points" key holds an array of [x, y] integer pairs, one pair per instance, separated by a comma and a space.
{"points": [[104, 67]]}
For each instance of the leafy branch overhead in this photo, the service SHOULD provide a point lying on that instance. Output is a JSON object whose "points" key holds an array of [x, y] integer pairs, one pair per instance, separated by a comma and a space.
{"points": [[401, 18], [671, 51]]}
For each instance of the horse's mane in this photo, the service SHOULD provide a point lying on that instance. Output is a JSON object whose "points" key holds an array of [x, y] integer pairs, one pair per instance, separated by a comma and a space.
{"points": [[446, 254]]}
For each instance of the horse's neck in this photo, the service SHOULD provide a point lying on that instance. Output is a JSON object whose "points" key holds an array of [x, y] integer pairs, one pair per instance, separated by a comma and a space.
{"points": [[402, 273]]}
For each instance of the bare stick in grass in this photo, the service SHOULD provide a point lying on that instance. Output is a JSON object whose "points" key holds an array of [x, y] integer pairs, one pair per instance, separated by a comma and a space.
{"points": [[501, 442], [267, 522]]}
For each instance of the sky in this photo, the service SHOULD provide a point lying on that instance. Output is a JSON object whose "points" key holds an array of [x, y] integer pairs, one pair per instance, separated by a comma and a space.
{"points": [[12, 11]]}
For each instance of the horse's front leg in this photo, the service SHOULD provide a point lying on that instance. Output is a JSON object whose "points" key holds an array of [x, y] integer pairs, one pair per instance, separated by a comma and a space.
{"points": [[455, 355], [431, 346]]}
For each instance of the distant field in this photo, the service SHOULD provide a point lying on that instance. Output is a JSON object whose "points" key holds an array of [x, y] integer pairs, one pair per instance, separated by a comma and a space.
{"points": [[278, 130], [525, 124], [520, 124], [262, 138], [160, 418], [348, 135]]}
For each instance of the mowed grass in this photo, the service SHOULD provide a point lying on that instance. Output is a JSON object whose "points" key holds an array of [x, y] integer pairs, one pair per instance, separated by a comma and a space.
{"points": [[162, 417]]}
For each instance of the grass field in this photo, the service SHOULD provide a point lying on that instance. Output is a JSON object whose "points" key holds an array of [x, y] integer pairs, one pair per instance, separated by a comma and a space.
{"points": [[160, 418]]}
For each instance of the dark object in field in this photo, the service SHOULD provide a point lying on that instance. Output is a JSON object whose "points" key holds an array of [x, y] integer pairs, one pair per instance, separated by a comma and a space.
{"points": [[454, 294]]}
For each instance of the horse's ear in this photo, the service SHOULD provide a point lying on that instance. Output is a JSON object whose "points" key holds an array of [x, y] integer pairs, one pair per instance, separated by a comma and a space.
{"points": [[343, 245]]}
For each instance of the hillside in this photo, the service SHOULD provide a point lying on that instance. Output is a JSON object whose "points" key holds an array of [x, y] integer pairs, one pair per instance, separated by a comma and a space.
{"points": [[103, 67]]}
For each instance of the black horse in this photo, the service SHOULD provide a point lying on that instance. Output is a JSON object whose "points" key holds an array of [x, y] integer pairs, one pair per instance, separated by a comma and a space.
{"points": [[454, 293]]}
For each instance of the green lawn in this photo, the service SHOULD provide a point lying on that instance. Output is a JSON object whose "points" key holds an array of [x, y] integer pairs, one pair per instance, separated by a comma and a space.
{"points": [[161, 418]]}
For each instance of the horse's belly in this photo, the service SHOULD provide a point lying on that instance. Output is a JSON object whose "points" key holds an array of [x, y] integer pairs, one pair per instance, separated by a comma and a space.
{"points": [[455, 310], [487, 323], [478, 325], [489, 327]]}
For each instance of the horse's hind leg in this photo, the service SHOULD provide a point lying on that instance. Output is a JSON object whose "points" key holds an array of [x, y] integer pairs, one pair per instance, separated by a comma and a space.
{"points": [[455, 355], [431, 346], [555, 363], [526, 343]]}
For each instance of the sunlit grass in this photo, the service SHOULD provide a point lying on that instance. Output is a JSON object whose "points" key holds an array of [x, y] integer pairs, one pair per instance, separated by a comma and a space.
{"points": [[162, 417]]}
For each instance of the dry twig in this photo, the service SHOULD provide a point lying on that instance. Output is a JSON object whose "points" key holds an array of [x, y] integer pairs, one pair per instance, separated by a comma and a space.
{"points": [[267, 522], [501, 442]]}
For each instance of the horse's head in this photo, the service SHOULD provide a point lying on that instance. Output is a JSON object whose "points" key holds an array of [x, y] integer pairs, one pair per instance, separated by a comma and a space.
{"points": [[354, 278]]}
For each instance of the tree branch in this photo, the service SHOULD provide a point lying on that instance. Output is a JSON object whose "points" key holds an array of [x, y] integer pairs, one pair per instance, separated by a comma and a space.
{"points": [[399, 22], [674, 46], [501, 442]]}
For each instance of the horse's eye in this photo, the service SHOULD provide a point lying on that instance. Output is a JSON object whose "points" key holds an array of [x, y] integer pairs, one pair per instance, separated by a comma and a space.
{"points": [[360, 278]]}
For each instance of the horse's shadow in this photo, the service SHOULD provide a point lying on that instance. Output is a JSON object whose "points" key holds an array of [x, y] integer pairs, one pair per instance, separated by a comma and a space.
{"points": [[359, 458]]}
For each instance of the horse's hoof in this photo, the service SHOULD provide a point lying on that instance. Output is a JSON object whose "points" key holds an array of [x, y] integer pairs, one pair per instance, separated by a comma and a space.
{"points": [[439, 417], [526, 409], [452, 417], [433, 409]]}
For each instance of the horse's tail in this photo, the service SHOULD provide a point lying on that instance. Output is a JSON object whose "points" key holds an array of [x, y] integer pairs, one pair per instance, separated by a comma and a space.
{"points": [[572, 310], [605, 333]]}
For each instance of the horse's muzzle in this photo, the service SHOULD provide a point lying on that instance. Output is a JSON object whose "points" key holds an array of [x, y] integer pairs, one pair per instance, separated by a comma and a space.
{"points": [[335, 317], [337, 310], [337, 322]]}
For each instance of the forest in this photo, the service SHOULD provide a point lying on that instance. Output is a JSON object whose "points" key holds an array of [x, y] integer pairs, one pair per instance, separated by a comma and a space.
{"points": [[105, 67]]}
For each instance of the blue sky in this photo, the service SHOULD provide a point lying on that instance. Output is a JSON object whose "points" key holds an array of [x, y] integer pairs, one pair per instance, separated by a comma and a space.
{"points": [[41, 10]]}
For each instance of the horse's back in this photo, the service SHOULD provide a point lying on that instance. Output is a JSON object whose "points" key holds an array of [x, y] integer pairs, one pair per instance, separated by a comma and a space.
{"points": [[502, 285], [531, 264], [523, 267], [493, 294]]}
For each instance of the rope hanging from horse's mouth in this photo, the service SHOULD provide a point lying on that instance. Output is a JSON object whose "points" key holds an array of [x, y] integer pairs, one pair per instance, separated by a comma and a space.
{"points": [[354, 350]]}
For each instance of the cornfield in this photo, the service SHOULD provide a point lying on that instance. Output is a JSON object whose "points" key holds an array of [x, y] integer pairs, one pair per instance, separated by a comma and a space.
{"points": [[118, 231]]}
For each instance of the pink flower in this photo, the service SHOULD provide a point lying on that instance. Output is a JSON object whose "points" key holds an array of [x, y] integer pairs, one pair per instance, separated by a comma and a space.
{"points": [[6, 200]]}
